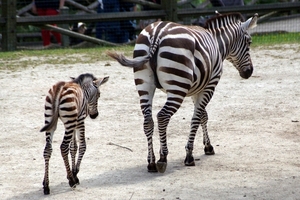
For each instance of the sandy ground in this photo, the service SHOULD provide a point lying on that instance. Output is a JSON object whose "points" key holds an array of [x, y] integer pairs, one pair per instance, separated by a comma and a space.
{"points": [[253, 125]]}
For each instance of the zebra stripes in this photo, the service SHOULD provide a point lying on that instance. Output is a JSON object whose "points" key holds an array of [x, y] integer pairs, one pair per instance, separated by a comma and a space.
{"points": [[71, 102], [185, 61]]}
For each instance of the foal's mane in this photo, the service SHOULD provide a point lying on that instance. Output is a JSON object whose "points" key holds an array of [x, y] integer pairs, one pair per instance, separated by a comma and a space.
{"points": [[226, 19], [84, 78]]}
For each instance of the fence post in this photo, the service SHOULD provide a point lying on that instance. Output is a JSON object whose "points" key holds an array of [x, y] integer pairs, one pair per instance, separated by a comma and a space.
{"points": [[65, 38], [9, 34], [170, 6]]}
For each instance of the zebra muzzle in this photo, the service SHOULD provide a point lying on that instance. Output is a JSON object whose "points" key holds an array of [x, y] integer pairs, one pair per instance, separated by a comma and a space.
{"points": [[246, 73], [93, 116]]}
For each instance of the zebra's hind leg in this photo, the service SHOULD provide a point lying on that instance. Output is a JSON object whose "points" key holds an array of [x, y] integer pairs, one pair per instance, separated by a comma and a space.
{"points": [[163, 121], [73, 151], [47, 155], [64, 148], [163, 118], [148, 129], [82, 149]]}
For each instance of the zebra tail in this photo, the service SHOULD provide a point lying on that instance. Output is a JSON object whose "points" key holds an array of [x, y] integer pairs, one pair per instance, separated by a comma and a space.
{"points": [[54, 92], [48, 126], [135, 62]]}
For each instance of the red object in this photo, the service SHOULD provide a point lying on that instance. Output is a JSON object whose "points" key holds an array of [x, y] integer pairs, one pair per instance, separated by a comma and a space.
{"points": [[46, 34]]}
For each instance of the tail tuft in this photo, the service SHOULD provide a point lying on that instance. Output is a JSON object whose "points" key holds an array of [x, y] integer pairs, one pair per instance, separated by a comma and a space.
{"points": [[45, 128]]}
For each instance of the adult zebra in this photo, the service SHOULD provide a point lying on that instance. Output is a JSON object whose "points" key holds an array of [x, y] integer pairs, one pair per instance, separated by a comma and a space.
{"points": [[71, 102], [186, 61]]}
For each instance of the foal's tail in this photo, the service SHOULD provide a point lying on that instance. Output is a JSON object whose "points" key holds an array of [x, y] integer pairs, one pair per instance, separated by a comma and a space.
{"points": [[51, 106], [135, 62]]}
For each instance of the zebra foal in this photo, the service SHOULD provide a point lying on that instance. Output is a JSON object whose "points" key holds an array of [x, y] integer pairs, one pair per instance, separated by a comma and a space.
{"points": [[186, 61], [71, 102]]}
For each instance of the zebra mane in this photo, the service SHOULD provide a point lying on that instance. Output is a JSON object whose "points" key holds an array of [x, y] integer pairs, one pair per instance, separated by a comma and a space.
{"points": [[84, 79], [221, 20]]}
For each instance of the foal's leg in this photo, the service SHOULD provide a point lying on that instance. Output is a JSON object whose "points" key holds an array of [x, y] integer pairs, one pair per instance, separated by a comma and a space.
{"points": [[82, 149], [64, 148], [47, 156], [73, 151]]}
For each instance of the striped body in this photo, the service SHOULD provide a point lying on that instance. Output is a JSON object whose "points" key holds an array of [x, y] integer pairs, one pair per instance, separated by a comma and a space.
{"points": [[72, 102], [185, 61]]}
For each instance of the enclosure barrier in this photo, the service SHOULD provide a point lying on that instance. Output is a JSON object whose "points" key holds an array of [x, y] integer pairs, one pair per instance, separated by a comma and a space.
{"points": [[167, 11]]}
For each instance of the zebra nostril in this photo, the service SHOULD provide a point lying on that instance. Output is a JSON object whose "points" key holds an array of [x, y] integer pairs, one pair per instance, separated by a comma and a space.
{"points": [[93, 116]]}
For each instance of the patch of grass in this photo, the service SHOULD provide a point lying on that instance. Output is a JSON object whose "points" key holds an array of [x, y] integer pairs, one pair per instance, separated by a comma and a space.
{"points": [[32, 58], [275, 38]]}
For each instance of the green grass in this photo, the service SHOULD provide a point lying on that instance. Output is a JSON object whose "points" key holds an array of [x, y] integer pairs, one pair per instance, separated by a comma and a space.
{"points": [[32, 58], [268, 39]]}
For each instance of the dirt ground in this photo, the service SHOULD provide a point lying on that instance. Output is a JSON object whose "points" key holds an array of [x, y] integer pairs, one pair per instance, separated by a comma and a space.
{"points": [[253, 125]]}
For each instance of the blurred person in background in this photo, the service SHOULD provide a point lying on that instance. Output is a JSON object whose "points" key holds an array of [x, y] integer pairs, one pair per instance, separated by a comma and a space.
{"points": [[220, 3], [81, 28], [114, 31], [48, 8]]}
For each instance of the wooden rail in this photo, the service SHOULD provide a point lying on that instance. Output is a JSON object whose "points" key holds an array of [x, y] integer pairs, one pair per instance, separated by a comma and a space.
{"points": [[181, 13], [167, 11]]}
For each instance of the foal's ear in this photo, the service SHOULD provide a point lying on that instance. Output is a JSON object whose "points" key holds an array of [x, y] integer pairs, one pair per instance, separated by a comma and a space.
{"points": [[101, 81], [250, 23]]}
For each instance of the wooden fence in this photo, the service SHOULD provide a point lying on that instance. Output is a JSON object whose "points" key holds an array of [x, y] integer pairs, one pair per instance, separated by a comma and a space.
{"points": [[168, 10]]}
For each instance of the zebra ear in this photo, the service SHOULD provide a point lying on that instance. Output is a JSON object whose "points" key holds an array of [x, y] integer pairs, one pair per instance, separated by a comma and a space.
{"points": [[250, 23], [101, 81], [72, 78]]}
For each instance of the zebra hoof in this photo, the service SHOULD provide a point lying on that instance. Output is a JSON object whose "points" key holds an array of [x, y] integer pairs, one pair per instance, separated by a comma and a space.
{"points": [[152, 168], [72, 183], [76, 180], [161, 166], [46, 190], [75, 177], [209, 150], [189, 161]]}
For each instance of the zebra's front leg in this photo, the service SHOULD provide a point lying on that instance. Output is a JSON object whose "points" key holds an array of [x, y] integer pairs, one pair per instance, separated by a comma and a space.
{"points": [[199, 117], [64, 148], [47, 156], [73, 152]]}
